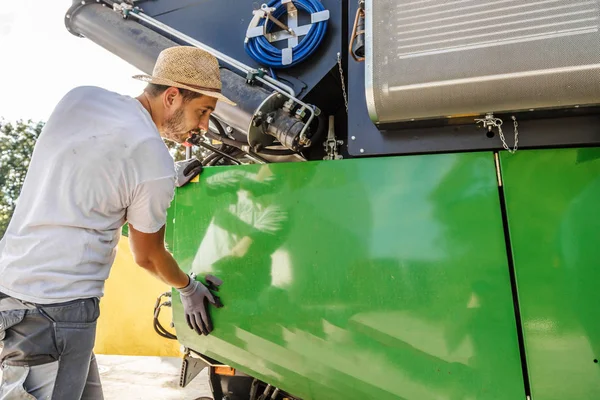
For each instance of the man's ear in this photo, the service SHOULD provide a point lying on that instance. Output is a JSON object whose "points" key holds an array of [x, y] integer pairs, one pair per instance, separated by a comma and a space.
{"points": [[171, 97]]}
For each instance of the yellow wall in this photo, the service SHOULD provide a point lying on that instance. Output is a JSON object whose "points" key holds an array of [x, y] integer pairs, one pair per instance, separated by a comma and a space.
{"points": [[125, 323]]}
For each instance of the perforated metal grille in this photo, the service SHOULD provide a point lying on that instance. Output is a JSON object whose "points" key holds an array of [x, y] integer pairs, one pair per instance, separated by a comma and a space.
{"points": [[433, 58]]}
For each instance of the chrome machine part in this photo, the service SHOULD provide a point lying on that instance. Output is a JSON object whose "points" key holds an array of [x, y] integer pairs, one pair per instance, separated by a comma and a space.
{"points": [[472, 56], [257, 136], [287, 130], [331, 144]]}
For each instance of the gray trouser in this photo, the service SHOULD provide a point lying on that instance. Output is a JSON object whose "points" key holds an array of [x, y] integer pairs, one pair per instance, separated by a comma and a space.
{"points": [[47, 350]]}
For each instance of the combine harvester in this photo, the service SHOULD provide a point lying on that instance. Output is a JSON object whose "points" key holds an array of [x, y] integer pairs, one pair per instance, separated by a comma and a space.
{"points": [[403, 205]]}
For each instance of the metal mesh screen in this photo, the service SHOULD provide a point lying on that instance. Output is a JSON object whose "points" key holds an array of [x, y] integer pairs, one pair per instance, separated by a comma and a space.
{"points": [[438, 58]]}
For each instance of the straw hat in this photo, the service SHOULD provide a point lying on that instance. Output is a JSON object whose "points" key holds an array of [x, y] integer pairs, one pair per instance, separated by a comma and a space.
{"points": [[188, 68]]}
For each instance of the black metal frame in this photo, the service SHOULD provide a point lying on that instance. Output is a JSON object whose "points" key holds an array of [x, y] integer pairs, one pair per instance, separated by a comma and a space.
{"points": [[551, 128]]}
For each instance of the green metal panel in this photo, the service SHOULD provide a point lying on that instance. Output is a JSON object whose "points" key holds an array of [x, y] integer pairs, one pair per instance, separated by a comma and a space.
{"points": [[380, 278], [552, 200]]}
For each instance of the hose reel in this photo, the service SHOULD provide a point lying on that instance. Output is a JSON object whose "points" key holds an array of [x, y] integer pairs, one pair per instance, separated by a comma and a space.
{"points": [[260, 35]]}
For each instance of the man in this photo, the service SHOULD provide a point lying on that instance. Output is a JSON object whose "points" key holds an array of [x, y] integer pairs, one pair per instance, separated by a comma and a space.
{"points": [[98, 163]]}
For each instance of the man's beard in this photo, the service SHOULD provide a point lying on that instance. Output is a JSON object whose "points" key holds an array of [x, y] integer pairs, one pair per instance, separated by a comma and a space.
{"points": [[174, 126]]}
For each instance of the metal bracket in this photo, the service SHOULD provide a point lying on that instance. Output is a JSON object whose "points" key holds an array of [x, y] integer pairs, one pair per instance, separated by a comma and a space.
{"points": [[190, 368], [489, 121], [292, 18], [319, 16], [287, 56], [125, 9]]}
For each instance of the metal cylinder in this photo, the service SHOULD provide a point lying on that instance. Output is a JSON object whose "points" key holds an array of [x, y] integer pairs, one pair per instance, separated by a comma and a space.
{"points": [[140, 46], [286, 130], [248, 99], [126, 39]]}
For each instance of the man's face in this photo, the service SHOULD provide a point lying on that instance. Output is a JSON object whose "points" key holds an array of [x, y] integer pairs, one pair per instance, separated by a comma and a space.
{"points": [[181, 118]]}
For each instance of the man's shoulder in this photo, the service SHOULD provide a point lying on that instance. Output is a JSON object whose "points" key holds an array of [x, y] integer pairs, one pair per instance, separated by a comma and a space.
{"points": [[120, 110], [88, 97], [90, 92]]}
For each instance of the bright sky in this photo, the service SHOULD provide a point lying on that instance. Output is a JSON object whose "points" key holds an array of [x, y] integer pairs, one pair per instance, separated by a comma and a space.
{"points": [[40, 60]]}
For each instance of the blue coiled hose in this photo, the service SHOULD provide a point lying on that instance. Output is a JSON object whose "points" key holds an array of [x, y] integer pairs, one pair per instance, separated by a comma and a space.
{"points": [[268, 55]]}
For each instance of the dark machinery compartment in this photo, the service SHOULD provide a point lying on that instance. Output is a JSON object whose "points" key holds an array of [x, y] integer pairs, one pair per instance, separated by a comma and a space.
{"points": [[430, 70]]}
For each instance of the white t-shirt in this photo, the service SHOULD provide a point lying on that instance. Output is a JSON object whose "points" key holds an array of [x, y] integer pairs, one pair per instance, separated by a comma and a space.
{"points": [[98, 162]]}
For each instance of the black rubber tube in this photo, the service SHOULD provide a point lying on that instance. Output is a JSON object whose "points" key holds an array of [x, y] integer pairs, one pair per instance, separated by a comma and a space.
{"points": [[195, 140]]}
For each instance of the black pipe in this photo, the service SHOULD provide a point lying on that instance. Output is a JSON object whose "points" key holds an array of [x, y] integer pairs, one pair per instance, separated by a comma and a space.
{"points": [[197, 141], [218, 125], [322, 127], [210, 158]]}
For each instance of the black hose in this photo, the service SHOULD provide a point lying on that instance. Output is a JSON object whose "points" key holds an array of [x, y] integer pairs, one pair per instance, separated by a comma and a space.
{"points": [[161, 331], [158, 328], [208, 159], [321, 129], [195, 139], [216, 158], [218, 125], [225, 139]]}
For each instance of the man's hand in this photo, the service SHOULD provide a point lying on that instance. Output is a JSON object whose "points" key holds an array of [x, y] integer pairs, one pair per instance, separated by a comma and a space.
{"points": [[187, 170], [195, 298]]}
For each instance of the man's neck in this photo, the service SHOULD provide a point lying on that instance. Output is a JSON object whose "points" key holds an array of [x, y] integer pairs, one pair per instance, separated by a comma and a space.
{"points": [[147, 104]]}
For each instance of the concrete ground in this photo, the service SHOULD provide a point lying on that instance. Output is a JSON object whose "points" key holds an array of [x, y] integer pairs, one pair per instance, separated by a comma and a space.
{"points": [[147, 378]]}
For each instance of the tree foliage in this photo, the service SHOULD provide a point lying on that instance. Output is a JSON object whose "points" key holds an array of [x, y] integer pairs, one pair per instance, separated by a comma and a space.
{"points": [[177, 150], [16, 146]]}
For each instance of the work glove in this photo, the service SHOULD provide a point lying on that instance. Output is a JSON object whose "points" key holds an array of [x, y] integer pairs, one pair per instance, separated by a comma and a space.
{"points": [[195, 298], [187, 170]]}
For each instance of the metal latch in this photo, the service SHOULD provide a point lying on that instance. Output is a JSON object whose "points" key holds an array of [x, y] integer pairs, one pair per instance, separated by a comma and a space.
{"points": [[490, 122]]}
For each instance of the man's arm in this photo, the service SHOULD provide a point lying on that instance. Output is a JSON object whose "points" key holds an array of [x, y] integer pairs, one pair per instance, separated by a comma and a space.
{"points": [[146, 215], [149, 252]]}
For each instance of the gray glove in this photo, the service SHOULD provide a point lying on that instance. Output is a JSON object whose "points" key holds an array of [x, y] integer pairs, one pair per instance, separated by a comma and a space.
{"points": [[195, 298], [186, 170]]}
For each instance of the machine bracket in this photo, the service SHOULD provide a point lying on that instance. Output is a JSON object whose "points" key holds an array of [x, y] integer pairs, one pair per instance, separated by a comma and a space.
{"points": [[190, 368], [332, 143]]}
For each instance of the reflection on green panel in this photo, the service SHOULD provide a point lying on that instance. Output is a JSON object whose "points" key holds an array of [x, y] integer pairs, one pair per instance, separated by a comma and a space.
{"points": [[553, 199], [361, 279]]}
